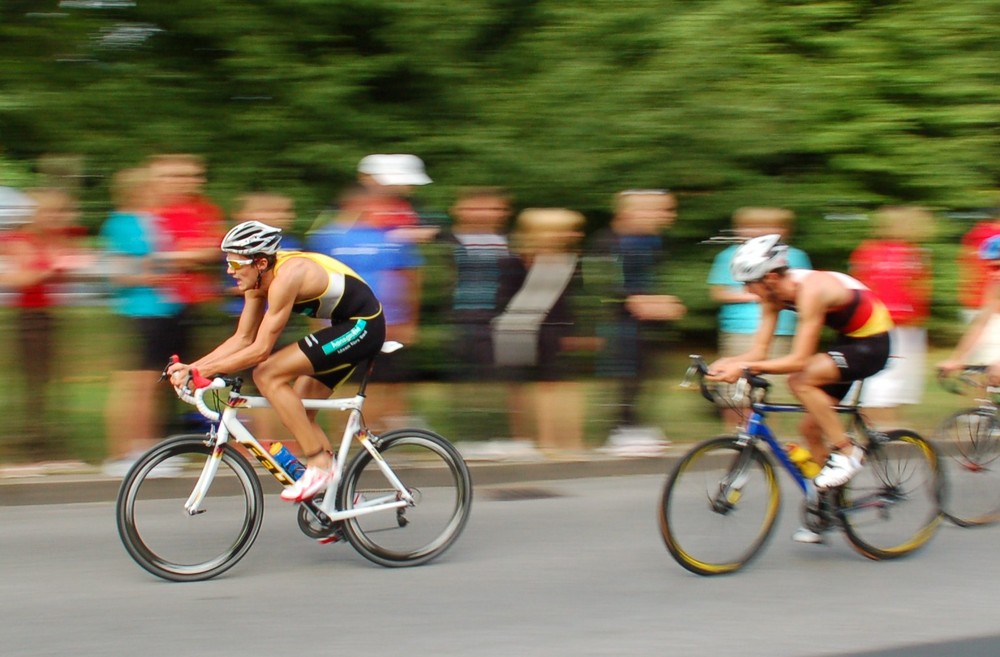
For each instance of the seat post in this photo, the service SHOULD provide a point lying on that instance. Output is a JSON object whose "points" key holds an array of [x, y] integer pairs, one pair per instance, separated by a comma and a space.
{"points": [[369, 368]]}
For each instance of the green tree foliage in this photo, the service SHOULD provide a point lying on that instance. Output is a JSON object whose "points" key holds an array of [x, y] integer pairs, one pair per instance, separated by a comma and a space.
{"points": [[829, 106]]}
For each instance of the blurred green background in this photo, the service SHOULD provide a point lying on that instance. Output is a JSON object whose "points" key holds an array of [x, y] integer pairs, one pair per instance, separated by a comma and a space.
{"points": [[830, 108]]}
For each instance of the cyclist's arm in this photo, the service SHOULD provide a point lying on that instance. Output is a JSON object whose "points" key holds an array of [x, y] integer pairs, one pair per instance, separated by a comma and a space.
{"points": [[811, 304], [246, 331], [731, 367], [991, 306], [254, 339]]}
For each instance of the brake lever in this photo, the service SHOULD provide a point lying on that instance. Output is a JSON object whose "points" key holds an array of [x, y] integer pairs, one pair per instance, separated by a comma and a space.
{"points": [[688, 375], [697, 367], [173, 360], [740, 388]]}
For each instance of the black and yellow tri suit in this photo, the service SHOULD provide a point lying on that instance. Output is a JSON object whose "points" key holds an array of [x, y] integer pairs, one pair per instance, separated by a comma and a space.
{"points": [[357, 325]]}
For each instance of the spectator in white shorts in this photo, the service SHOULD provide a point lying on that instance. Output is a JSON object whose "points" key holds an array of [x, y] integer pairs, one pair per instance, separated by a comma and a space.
{"points": [[897, 269]]}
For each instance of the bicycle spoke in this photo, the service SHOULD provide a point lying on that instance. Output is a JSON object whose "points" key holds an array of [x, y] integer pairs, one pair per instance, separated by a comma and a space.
{"points": [[719, 507], [890, 508], [969, 443], [439, 486]]}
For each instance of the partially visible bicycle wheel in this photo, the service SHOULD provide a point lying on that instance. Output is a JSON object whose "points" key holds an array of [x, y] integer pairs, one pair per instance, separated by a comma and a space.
{"points": [[719, 506], [968, 443], [892, 506], [433, 471], [167, 541]]}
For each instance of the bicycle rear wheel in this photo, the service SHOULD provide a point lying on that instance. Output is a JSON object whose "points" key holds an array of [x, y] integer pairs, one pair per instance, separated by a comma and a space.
{"points": [[969, 446], [719, 506], [433, 471], [162, 537], [892, 506]]}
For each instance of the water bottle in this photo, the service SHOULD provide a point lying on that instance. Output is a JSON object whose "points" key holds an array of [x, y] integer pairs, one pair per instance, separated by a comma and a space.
{"points": [[801, 457], [289, 463]]}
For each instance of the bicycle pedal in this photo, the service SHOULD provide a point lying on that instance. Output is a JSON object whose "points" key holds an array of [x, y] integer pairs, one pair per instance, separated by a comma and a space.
{"points": [[336, 537]]}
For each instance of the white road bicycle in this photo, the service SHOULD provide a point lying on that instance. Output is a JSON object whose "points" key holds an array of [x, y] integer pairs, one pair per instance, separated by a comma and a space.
{"points": [[401, 500]]}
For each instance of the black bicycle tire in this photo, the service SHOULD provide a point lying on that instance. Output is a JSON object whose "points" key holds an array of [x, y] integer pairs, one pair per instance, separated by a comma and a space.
{"points": [[145, 556], [370, 549], [675, 545], [881, 457], [947, 448]]}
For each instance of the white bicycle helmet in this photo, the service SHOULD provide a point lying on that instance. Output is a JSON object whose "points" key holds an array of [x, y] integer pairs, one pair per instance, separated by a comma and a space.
{"points": [[251, 238], [758, 256]]}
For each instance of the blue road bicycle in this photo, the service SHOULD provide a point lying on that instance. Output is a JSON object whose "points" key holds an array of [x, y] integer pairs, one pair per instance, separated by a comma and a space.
{"points": [[720, 503], [969, 443]]}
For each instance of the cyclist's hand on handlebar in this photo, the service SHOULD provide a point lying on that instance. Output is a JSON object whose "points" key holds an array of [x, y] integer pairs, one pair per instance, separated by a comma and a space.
{"points": [[179, 374], [949, 367], [727, 370]]}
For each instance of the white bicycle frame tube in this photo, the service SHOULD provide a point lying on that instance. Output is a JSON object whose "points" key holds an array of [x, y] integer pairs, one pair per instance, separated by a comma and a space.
{"points": [[230, 425]]}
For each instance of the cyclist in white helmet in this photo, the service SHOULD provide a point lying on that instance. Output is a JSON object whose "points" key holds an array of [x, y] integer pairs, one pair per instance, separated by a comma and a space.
{"points": [[276, 284], [819, 379], [978, 331]]}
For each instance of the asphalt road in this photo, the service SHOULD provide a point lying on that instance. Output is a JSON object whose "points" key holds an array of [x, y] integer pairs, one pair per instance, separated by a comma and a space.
{"points": [[570, 567]]}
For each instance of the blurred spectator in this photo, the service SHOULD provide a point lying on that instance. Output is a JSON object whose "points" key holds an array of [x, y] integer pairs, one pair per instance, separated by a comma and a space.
{"points": [[278, 210], [633, 247], [143, 296], [973, 286], [194, 227], [975, 273], [897, 269], [388, 181], [538, 326], [40, 254], [482, 262], [364, 239], [16, 207], [739, 313]]}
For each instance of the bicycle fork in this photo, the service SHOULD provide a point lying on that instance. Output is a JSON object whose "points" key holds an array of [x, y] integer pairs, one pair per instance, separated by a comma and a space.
{"points": [[731, 486]]}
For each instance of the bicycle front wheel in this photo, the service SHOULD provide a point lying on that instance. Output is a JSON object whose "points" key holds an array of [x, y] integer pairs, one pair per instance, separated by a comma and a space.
{"points": [[892, 506], [969, 446], [433, 472], [719, 506], [162, 536]]}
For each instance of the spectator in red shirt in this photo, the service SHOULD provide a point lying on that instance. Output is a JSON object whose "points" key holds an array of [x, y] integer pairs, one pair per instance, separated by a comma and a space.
{"points": [[193, 226], [974, 272], [38, 257], [894, 266]]}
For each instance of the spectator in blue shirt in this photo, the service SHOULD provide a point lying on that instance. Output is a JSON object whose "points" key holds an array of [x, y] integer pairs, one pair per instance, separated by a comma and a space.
{"points": [[739, 313], [142, 296], [391, 264]]}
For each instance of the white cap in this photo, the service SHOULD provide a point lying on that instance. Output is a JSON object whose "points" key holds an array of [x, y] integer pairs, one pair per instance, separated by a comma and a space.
{"points": [[15, 207], [395, 169]]}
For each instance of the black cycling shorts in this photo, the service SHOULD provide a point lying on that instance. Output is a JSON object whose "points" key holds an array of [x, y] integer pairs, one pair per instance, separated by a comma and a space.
{"points": [[856, 359], [335, 350]]}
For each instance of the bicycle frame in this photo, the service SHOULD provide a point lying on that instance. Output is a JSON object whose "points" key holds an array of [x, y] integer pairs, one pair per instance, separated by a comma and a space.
{"points": [[231, 427], [756, 429]]}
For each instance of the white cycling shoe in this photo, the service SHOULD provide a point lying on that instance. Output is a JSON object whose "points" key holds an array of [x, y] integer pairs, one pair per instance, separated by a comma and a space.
{"points": [[806, 535], [840, 468], [312, 481]]}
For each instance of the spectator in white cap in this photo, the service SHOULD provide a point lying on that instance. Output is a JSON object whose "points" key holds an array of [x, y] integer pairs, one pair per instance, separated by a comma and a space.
{"points": [[386, 180], [395, 170]]}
